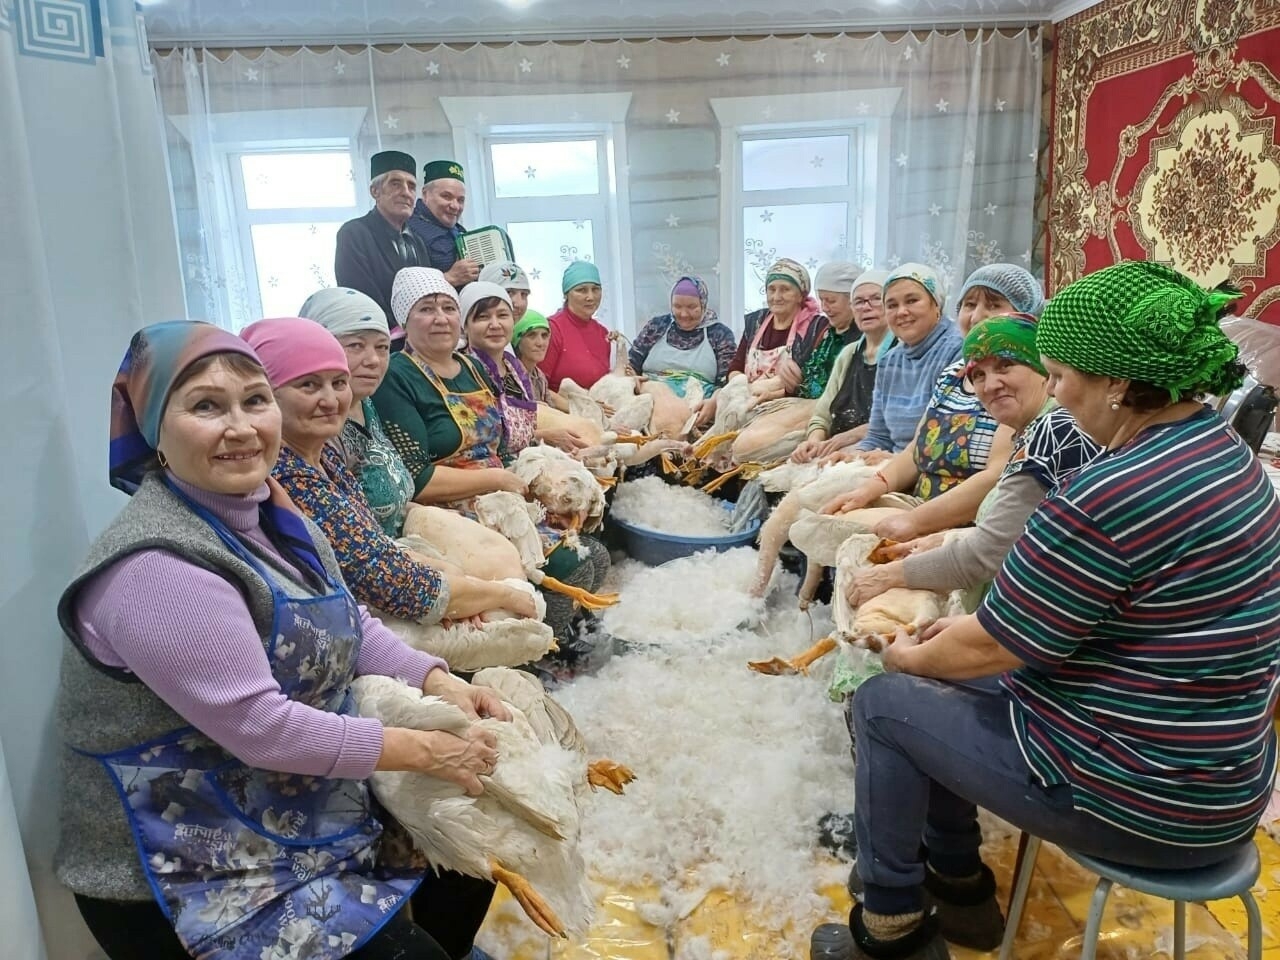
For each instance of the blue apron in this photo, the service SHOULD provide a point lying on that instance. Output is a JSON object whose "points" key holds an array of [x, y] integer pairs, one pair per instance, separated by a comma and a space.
{"points": [[253, 864]]}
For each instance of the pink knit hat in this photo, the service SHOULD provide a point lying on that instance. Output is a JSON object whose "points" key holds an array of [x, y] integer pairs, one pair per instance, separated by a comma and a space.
{"points": [[291, 347]]}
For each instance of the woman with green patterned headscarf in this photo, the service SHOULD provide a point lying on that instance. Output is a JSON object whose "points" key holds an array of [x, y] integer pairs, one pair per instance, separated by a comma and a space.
{"points": [[1003, 365], [771, 337], [1134, 628]]}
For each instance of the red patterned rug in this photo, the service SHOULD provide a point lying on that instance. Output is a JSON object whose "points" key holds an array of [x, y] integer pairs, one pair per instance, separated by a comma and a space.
{"points": [[1164, 143]]}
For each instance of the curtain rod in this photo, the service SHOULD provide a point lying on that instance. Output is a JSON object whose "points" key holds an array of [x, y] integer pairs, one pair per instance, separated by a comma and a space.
{"points": [[864, 28]]}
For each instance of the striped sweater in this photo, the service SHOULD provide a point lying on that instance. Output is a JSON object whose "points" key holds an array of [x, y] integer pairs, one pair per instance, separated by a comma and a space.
{"points": [[1144, 598]]}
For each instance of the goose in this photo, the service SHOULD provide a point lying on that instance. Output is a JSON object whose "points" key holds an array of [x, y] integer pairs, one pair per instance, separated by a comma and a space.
{"points": [[523, 830]]}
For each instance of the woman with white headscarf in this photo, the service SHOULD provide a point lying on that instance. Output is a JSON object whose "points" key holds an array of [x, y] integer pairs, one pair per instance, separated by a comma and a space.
{"points": [[841, 414]]}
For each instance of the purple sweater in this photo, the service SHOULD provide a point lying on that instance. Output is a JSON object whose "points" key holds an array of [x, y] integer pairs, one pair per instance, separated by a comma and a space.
{"points": [[187, 634]]}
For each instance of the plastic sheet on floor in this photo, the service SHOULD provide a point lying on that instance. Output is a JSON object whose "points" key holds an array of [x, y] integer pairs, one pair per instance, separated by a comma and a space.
{"points": [[630, 926]]}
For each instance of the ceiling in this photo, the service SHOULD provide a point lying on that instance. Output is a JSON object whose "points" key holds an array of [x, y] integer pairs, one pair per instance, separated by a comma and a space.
{"points": [[265, 22]]}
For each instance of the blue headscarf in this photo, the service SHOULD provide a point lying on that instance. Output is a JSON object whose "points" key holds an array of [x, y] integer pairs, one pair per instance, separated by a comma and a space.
{"points": [[156, 357]]}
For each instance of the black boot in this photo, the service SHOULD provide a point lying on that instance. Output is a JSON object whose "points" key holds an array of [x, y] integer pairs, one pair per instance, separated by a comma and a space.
{"points": [[925, 942], [967, 909]]}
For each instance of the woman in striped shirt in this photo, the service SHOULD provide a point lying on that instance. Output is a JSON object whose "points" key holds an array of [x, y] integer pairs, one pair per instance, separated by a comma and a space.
{"points": [[1134, 627]]}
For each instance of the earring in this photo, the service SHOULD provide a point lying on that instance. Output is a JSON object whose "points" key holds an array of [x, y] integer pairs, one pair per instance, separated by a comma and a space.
{"points": [[161, 457], [1115, 404]]}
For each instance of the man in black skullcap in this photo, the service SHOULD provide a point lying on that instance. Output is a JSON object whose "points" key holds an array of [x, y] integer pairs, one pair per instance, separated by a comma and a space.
{"points": [[372, 248], [435, 221]]}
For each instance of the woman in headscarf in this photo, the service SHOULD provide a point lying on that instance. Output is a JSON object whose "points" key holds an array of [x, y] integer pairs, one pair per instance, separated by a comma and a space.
{"points": [[770, 339], [307, 369], [928, 342], [1003, 364], [512, 278], [360, 326], [580, 347], [530, 338], [439, 407], [488, 326], [688, 343], [204, 697], [1133, 715], [840, 416]]}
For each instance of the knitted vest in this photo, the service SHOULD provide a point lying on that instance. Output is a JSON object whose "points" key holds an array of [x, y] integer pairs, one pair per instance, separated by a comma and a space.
{"points": [[102, 709]]}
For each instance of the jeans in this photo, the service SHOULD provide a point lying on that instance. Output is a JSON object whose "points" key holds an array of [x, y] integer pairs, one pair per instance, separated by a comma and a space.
{"points": [[928, 754], [447, 911]]}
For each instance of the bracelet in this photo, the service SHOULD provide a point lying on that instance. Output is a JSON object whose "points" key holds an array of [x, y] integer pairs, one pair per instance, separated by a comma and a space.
{"points": [[879, 475]]}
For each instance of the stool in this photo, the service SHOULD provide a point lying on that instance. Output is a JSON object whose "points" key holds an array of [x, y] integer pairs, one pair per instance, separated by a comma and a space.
{"points": [[1231, 878]]}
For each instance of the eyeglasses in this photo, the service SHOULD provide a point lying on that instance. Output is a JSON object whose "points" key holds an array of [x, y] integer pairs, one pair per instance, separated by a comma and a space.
{"points": [[867, 302]]}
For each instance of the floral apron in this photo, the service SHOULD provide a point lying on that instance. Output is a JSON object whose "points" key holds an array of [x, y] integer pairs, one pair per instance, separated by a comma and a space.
{"points": [[478, 416], [954, 438], [764, 363], [676, 368], [253, 864]]}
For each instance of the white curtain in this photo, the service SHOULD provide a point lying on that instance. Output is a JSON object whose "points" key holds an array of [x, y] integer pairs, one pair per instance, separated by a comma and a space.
{"points": [[89, 255], [953, 180]]}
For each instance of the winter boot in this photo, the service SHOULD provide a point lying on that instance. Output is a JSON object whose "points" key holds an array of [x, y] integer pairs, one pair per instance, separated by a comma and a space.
{"points": [[925, 942]]}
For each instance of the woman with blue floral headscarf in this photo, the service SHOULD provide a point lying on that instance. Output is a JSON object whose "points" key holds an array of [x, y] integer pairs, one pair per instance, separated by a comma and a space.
{"points": [[204, 697], [688, 343]]}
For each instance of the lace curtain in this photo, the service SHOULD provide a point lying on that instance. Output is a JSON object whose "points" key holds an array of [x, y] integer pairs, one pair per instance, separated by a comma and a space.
{"points": [[949, 128]]}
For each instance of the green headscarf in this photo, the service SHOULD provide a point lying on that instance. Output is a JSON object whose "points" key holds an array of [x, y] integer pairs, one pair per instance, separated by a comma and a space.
{"points": [[1012, 337], [532, 320], [1143, 321]]}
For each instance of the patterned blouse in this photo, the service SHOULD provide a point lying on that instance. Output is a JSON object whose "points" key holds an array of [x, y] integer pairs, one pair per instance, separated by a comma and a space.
{"points": [[377, 572], [367, 453], [721, 338], [954, 439], [540, 386]]}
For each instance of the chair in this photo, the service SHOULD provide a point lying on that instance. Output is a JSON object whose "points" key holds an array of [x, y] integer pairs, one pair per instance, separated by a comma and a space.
{"points": [[1231, 878]]}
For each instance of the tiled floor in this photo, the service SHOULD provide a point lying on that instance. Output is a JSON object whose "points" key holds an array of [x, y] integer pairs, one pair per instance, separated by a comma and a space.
{"points": [[1134, 927]]}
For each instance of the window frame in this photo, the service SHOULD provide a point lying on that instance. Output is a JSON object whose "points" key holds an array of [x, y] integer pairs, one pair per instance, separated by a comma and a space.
{"points": [[217, 136], [861, 114], [246, 218], [579, 206], [478, 121]]}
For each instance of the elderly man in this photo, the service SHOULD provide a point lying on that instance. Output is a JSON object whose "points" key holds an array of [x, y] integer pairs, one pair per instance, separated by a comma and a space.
{"points": [[435, 221], [372, 248]]}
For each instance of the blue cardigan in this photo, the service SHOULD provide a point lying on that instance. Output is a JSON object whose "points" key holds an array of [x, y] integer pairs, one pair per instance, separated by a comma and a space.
{"points": [[904, 382]]}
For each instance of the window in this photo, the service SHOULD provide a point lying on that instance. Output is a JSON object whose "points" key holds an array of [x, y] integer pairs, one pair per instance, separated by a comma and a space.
{"points": [[552, 179], [290, 204], [547, 195], [804, 189], [801, 198]]}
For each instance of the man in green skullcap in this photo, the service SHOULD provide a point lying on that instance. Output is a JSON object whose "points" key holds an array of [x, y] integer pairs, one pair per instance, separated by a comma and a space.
{"points": [[371, 249], [435, 221]]}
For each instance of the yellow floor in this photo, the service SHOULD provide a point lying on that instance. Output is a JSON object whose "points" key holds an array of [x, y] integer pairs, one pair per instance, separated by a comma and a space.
{"points": [[1135, 926]]}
